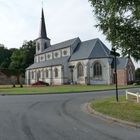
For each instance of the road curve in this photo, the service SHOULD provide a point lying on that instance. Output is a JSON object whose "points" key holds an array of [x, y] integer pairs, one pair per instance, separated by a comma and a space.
{"points": [[58, 117]]}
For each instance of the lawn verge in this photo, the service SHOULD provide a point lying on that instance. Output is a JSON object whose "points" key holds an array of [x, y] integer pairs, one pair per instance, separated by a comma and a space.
{"points": [[57, 89], [127, 112]]}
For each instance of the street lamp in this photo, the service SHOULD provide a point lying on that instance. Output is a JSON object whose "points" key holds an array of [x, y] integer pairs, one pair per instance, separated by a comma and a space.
{"points": [[115, 54]]}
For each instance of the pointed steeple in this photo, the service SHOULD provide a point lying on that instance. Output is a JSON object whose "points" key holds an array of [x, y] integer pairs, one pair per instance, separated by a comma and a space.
{"points": [[42, 42], [43, 33]]}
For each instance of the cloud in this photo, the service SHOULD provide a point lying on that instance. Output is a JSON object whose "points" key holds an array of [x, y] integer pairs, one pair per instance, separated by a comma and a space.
{"points": [[65, 19]]}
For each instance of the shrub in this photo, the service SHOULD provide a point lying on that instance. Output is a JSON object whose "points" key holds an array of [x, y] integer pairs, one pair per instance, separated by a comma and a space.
{"points": [[130, 82], [40, 83], [137, 82]]}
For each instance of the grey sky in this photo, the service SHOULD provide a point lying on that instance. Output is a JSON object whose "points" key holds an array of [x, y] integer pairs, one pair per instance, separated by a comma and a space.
{"points": [[65, 19]]}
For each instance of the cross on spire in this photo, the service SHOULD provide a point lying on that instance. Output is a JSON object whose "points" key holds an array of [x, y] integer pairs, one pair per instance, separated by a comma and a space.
{"points": [[42, 3]]}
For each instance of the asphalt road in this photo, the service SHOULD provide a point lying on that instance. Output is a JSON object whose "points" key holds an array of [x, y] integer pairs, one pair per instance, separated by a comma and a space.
{"points": [[58, 117]]}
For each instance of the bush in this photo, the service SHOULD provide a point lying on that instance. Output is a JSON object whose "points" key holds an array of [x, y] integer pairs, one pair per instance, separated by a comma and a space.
{"points": [[137, 82], [130, 82], [40, 83], [21, 86], [14, 86]]}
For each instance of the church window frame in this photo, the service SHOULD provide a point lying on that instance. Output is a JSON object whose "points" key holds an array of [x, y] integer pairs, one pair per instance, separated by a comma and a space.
{"points": [[56, 54], [80, 70], [47, 73], [49, 56], [65, 52], [38, 74], [38, 47], [41, 57], [130, 73], [32, 74], [45, 45], [97, 70], [56, 73]]}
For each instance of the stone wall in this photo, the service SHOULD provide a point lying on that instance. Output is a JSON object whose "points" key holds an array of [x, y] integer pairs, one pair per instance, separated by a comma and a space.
{"points": [[5, 80], [88, 72]]}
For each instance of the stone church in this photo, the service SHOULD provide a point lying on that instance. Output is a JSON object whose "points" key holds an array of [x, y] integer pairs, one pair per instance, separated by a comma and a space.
{"points": [[76, 62]]}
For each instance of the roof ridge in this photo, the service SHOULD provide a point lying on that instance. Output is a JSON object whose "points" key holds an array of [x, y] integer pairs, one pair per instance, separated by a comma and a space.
{"points": [[102, 46], [90, 40], [66, 41]]}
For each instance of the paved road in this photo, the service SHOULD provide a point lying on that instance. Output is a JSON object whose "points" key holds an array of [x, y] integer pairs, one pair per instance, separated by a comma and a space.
{"points": [[57, 117]]}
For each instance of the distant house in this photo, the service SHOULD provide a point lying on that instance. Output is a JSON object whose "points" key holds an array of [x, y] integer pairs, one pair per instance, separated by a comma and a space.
{"points": [[74, 61]]}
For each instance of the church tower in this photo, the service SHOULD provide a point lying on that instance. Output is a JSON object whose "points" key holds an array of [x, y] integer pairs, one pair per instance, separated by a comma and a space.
{"points": [[42, 42]]}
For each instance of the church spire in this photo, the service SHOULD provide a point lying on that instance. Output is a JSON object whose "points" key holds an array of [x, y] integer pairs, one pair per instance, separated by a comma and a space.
{"points": [[42, 33], [42, 42]]}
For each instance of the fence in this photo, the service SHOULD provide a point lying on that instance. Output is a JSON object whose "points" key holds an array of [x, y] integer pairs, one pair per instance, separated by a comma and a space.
{"points": [[137, 95]]}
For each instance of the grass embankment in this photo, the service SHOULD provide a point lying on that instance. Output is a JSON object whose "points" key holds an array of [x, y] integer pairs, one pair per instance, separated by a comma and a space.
{"points": [[56, 89], [124, 110]]}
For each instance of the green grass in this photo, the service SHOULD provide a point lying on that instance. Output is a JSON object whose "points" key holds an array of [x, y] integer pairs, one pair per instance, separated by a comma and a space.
{"points": [[125, 110], [55, 89]]}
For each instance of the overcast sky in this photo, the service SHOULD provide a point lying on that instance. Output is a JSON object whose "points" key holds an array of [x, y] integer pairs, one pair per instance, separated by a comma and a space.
{"points": [[65, 19]]}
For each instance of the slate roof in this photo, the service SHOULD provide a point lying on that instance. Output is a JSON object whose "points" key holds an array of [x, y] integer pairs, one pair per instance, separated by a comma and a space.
{"points": [[122, 62], [53, 62], [90, 49], [61, 45]]}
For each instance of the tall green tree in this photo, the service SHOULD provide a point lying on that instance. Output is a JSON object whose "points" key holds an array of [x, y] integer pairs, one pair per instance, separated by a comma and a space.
{"points": [[5, 55], [28, 48], [137, 74], [17, 64], [22, 58], [120, 22]]}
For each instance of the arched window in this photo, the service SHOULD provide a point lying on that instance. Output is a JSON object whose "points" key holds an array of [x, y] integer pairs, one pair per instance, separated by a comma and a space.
{"points": [[38, 46], [65, 52], [56, 54], [38, 75], [130, 73], [80, 70], [97, 70], [45, 45], [32, 75], [56, 72], [47, 73], [49, 56]]}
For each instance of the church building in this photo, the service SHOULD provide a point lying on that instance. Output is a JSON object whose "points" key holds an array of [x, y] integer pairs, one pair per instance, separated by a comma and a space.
{"points": [[76, 62]]}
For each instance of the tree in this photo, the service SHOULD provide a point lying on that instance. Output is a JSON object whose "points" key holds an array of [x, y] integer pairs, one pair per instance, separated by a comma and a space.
{"points": [[5, 55], [28, 48], [137, 74], [120, 22], [22, 58], [17, 64]]}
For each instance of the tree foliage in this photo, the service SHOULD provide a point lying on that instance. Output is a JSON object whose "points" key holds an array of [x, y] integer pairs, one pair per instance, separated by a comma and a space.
{"points": [[28, 48], [15, 61], [22, 58], [5, 55], [120, 22], [137, 73]]}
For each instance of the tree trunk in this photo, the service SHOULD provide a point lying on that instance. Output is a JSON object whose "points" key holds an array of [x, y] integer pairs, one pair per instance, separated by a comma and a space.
{"points": [[18, 79]]}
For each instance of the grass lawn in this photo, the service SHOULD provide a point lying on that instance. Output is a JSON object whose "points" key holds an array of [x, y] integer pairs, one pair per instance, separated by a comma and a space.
{"points": [[56, 89], [125, 110]]}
